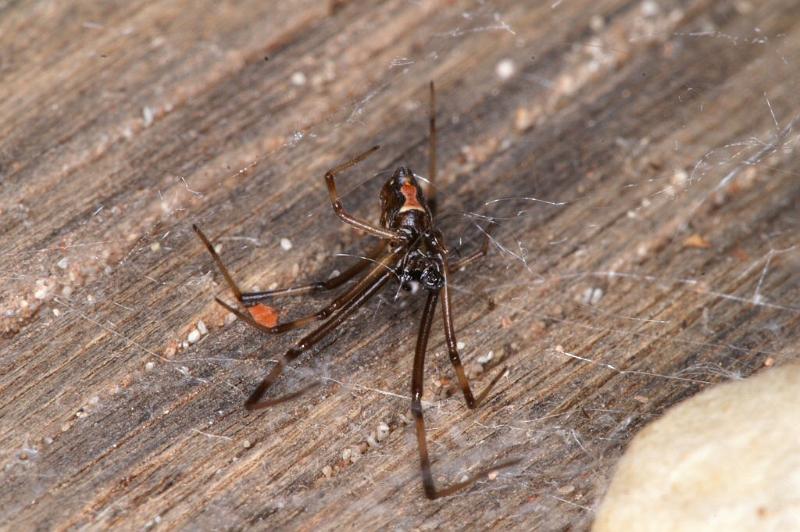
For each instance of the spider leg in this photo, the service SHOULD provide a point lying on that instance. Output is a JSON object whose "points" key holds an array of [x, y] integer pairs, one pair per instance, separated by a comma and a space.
{"points": [[474, 256], [251, 298], [346, 217], [452, 349], [416, 409], [431, 189], [218, 261], [383, 266], [350, 301]]}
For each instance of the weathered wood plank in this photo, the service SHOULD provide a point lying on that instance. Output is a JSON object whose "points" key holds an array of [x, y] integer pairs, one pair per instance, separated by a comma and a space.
{"points": [[639, 157]]}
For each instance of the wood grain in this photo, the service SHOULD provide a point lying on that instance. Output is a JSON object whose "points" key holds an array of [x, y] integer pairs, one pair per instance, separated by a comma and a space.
{"points": [[638, 156]]}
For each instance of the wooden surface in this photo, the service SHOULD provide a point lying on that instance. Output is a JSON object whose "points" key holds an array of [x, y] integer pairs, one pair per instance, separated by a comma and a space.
{"points": [[662, 258]]}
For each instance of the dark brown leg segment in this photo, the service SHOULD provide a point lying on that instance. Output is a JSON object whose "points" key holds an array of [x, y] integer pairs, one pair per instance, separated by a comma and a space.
{"points": [[384, 266], [346, 217], [251, 298], [431, 192], [416, 409], [355, 298], [472, 257], [452, 349], [218, 261]]}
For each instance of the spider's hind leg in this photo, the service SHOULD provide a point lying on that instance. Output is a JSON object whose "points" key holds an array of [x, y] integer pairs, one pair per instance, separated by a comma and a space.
{"points": [[251, 298], [430, 190], [346, 304], [248, 299], [220, 266], [383, 266]]}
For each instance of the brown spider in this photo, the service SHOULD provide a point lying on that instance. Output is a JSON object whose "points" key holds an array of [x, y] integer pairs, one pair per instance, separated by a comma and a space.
{"points": [[416, 254]]}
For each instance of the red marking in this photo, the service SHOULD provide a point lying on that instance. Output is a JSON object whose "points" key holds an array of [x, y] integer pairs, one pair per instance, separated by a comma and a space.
{"points": [[264, 315], [409, 191]]}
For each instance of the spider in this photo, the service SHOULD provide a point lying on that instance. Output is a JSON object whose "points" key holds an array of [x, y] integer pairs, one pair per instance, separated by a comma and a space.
{"points": [[412, 250]]}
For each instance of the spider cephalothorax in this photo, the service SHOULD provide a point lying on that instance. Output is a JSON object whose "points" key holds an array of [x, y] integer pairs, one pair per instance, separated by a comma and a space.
{"points": [[409, 249], [420, 268]]}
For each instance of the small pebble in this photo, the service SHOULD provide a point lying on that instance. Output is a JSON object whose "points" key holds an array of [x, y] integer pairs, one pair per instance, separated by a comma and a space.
{"points": [[460, 345], [650, 8], [382, 431], [63, 263], [679, 178], [346, 454], [147, 116], [171, 349], [591, 296], [327, 471], [485, 359], [286, 244], [41, 292], [194, 336], [505, 69], [201, 327], [523, 119], [246, 444], [298, 78], [149, 366]]}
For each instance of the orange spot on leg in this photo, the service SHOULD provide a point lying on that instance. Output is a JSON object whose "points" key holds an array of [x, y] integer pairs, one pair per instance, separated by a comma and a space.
{"points": [[264, 315]]}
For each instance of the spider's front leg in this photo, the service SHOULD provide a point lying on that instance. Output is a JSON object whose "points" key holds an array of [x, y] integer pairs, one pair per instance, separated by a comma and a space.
{"points": [[416, 409], [452, 350]]}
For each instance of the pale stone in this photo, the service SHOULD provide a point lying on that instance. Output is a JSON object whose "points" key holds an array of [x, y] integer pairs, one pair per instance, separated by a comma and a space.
{"points": [[726, 459]]}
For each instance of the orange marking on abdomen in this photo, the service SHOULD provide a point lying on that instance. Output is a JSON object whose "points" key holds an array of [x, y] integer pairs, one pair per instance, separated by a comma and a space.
{"points": [[409, 192]]}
